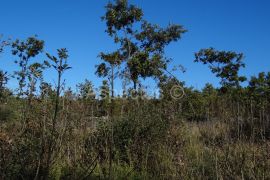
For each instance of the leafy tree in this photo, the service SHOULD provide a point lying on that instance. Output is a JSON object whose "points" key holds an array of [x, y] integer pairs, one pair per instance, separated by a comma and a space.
{"points": [[141, 44], [149, 58], [120, 18], [225, 64], [25, 50]]}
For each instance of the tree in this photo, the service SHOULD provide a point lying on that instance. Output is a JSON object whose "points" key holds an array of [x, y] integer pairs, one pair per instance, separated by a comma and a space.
{"points": [[260, 86], [210, 95], [140, 52], [3, 75], [225, 64], [107, 68], [149, 59], [60, 65], [87, 96], [35, 74], [86, 90], [104, 91], [3, 82], [141, 44], [25, 50]]}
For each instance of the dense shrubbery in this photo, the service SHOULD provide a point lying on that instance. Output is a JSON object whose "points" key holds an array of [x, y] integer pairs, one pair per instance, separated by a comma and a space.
{"points": [[152, 138]]}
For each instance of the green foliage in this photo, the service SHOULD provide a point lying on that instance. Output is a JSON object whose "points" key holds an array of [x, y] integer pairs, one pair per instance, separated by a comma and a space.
{"points": [[225, 65], [3, 82], [60, 63], [260, 86], [141, 44], [25, 50], [104, 91], [121, 15], [86, 90], [104, 97]]}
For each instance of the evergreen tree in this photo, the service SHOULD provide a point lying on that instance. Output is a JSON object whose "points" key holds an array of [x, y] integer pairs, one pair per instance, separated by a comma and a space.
{"points": [[86, 90]]}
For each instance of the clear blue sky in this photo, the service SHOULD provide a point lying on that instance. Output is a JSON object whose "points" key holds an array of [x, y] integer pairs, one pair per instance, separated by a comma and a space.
{"points": [[238, 25]]}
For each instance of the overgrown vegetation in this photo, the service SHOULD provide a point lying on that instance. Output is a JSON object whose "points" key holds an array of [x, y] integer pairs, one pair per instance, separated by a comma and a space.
{"points": [[51, 132]]}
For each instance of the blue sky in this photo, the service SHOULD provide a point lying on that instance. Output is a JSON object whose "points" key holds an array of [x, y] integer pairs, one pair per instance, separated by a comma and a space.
{"points": [[238, 25]]}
